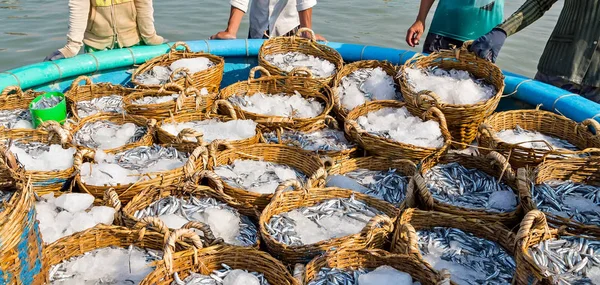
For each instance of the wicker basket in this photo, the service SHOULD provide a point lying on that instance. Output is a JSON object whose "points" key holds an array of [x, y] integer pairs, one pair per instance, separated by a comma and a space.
{"points": [[463, 120], [303, 161], [374, 235], [585, 171], [388, 148], [20, 241], [544, 122], [196, 161], [12, 98], [308, 87], [91, 91], [493, 164], [297, 43], [209, 78], [352, 259], [349, 69], [206, 260]]}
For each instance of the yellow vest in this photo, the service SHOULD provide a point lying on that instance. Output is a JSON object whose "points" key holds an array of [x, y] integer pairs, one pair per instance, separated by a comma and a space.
{"points": [[112, 23]]}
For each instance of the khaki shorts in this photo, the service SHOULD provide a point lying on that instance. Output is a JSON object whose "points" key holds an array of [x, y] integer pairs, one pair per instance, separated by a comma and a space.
{"points": [[589, 92]]}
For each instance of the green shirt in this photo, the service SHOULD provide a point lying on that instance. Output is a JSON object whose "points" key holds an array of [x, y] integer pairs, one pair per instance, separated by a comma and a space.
{"points": [[466, 20]]}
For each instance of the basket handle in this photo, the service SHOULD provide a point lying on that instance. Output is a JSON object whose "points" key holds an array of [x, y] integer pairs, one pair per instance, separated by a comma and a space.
{"points": [[155, 223], [320, 175], [331, 122], [301, 71], [205, 229], [178, 44], [80, 155], [534, 220], [327, 162], [199, 152], [426, 95], [17, 89], [189, 133], [488, 130], [75, 83], [593, 124], [405, 240], [422, 192], [295, 184], [263, 72], [186, 74], [151, 125], [218, 185], [171, 86], [55, 129], [179, 235], [379, 221], [199, 96], [503, 163], [111, 199], [434, 112], [214, 146], [228, 106], [307, 30]]}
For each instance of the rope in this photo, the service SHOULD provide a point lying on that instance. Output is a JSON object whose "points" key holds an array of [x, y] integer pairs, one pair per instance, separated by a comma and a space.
{"points": [[247, 51], [207, 46], [132, 55], [57, 67], [517, 88], [97, 63], [560, 97], [362, 51], [16, 78]]}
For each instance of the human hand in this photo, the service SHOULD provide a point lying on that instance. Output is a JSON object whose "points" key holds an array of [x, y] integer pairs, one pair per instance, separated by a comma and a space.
{"points": [[54, 56], [488, 46], [320, 38], [224, 35], [414, 33]]}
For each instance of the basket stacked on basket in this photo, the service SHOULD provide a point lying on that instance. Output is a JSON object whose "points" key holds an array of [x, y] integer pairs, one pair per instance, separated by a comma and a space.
{"points": [[78, 95]]}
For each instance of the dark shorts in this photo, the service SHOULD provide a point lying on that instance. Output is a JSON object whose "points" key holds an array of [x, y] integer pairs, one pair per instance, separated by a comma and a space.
{"points": [[435, 42], [589, 92]]}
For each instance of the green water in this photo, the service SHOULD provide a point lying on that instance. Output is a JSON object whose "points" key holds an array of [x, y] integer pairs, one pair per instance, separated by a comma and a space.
{"points": [[32, 29]]}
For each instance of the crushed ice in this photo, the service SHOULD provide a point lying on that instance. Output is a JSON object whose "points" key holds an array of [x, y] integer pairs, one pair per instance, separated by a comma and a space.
{"points": [[214, 129], [364, 85], [257, 176], [282, 105], [288, 61]]}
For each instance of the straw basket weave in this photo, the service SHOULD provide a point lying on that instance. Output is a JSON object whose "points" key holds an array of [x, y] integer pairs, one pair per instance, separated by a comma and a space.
{"points": [[386, 147], [281, 45], [189, 100], [206, 260], [352, 259], [348, 69], [585, 171], [492, 164], [43, 182], [463, 120], [544, 122], [13, 98], [89, 91], [209, 78], [373, 235], [20, 241], [303, 161], [299, 80], [197, 160]]}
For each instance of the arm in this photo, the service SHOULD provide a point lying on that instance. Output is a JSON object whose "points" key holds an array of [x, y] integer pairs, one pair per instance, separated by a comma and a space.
{"points": [[305, 14], [238, 9], [529, 12], [145, 22], [78, 17], [414, 33]]}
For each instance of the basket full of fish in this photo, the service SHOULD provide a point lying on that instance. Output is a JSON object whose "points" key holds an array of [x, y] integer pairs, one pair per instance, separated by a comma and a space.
{"points": [[483, 187], [552, 256], [528, 137], [301, 224], [90, 98], [378, 177], [370, 267], [280, 55], [364, 81], [466, 88], [567, 192], [296, 102], [474, 251], [15, 116], [132, 170], [386, 128], [183, 67]]}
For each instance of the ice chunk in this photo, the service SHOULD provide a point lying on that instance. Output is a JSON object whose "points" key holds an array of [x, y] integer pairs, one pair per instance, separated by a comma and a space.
{"points": [[214, 129], [294, 106], [224, 223], [366, 84], [82, 221], [341, 181], [502, 200], [385, 275], [173, 221], [240, 277], [290, 60], [36, 156], [103, 215], [74, 202], [194, 65]]}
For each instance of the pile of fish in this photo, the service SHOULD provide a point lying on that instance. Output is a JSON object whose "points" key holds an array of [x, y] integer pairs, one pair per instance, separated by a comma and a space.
{"points": [[569, 260], [159, 75], [38, 156], [281, 105], [471, 260], [382, 275], [214, 129], [131, 165], [471, 188], [224, 221], [257, 176], [385, 185], [109, 265], [533, 139], [15, 119], [46, 102], [147, 100], [453, 87], [399, 125], [224, 276], [329, 219], [580, 202], [319, 67], [364, 85], [321, 140], [109, 104], [105, 134]]}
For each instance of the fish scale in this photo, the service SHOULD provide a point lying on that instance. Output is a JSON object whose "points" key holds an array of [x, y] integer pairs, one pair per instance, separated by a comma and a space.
{"points": [[386, 185], [46, 102], [336, 276], [83, 136], [9, 118], [550, 197], [322, 140], [215, 278], [111, 104]]}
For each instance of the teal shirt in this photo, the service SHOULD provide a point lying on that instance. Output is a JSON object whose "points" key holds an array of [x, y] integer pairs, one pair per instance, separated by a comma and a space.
{"points": [[466, 20]]}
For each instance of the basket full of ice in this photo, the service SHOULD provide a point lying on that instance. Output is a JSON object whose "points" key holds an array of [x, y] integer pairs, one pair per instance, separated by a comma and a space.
{"points": [[474, 251], [14, 109], [529, 137], [387, 129], [364, 81], [280, 55], [568, 192], [295, 102], [90, 98], [134, 169], [167, 101], [464, 87], [301, 224], [550, 256], [370, 267], [183, 67], [252, 174]]}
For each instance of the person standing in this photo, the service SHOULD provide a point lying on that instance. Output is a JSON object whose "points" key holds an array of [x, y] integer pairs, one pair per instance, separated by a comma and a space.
{"points": [[108, 24], [571, 59], [454, 22], [269, 18]]}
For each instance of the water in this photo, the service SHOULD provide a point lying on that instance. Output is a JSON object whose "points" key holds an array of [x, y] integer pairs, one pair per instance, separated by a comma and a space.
{"points": [[31, 30]]}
